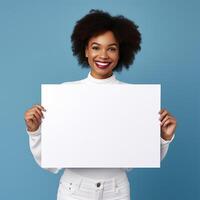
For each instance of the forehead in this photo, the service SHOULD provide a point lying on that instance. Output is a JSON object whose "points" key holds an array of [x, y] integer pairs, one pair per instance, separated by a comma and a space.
{"points": [[105, 38]]}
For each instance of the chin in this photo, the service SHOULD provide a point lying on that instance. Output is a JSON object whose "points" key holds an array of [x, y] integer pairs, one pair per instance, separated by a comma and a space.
{"points": [[101, 72]]}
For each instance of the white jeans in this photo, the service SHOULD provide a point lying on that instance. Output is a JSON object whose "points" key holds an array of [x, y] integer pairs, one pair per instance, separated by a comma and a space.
{"points": [[73, 186]]}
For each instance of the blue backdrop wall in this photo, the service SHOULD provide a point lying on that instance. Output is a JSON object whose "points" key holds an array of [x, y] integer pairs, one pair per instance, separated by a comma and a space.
{"points": [[35, 48]]}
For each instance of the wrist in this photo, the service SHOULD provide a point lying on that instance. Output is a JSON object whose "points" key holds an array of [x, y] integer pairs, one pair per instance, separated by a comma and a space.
{"points": [[167, 137], [34, 132]]}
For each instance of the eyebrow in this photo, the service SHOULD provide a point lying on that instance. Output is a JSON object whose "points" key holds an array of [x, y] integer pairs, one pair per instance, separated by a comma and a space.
{"points": [[108, 45]]}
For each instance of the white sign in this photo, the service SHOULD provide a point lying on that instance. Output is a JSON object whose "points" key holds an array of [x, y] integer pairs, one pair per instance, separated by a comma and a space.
{"points": [[105, 125]]}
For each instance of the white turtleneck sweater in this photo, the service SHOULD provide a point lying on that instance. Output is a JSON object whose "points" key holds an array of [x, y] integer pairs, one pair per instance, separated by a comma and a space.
{"points": [[94, 173]]}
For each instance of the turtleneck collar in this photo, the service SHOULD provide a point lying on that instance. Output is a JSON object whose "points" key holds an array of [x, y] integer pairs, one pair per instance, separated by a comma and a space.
{"points": [[110, 79]]}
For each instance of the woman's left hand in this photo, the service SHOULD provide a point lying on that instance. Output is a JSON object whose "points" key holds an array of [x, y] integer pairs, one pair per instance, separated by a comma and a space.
{"points": [[168, 124]]}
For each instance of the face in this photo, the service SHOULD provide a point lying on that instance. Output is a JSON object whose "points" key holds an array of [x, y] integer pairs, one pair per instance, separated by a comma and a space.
{"points": [[102, 52]]}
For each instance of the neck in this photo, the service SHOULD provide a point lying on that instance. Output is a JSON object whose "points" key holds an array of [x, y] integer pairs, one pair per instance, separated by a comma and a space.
{"points": [[101, 76]]}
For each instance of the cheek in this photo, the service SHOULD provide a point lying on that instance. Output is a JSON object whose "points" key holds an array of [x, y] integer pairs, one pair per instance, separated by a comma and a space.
{"points": [[92, 54], [91, 59], [116, 58]]}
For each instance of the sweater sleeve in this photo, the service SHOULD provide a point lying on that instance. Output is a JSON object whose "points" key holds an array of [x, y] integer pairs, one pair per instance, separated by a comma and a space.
{"points": [[164, 146], [35, 147]]}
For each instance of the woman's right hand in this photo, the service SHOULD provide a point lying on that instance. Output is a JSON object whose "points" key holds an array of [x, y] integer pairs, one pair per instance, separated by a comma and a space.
{"points": [[33, 117]]}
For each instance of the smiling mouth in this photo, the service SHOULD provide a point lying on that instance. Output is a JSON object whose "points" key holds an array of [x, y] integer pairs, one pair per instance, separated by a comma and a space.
{"points": [[102, 65]]}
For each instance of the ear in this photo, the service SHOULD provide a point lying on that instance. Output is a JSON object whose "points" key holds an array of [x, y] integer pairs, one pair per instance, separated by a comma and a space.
{"points": [[86, 51]]}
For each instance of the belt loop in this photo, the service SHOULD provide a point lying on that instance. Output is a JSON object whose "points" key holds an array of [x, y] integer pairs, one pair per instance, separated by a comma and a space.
{"points": [[103, 183], [79, 183], [115, 188]]}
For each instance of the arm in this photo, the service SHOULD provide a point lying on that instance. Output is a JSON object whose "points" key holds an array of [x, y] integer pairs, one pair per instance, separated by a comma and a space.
{"points": [[35, 147], [33, 121], [168, 126], [164, 146]]}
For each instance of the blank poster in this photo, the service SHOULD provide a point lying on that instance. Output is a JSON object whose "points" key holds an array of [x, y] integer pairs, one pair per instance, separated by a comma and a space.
{"points": [[105, 125]]}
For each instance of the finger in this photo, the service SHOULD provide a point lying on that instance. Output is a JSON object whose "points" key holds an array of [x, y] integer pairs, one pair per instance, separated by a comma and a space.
{"points": [[28, 118], [165, 119], [31, 119], [36, 121], [168, 122], [36, 115], [40, 107], [27, 115], [161, 111], [36, 109], [163, 115]]}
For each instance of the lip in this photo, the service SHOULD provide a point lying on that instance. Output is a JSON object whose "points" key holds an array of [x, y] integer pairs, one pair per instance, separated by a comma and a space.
{"points": [[102, 65]]}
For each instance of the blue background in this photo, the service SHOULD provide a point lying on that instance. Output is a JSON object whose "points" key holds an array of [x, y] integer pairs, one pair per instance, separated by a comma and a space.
{"points": [[35, 48]]}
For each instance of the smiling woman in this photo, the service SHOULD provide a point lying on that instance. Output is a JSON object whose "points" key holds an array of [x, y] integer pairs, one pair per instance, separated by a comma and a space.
{"points": [[117, 32], [105, 44], [102, 52]]}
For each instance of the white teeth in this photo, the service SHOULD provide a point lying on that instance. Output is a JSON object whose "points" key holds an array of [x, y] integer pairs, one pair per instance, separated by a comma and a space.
{"points": [[103, 64]]}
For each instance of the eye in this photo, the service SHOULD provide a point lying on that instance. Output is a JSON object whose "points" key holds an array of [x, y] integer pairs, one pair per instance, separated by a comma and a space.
{"points": [[95, 47], [112, 49]]}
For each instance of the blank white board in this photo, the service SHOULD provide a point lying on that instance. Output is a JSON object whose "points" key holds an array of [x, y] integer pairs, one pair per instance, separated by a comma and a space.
{"points": [[105, 125]]}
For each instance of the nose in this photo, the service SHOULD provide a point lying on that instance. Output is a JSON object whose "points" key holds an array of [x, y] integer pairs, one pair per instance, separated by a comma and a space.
{"points": [[103, 54]]}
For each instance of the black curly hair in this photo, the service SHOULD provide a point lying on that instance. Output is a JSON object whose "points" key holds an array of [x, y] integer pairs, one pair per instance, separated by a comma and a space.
{"points": [[97, 22]]}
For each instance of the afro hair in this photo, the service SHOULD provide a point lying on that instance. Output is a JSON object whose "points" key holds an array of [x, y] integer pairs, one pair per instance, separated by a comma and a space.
{"points": [[97, 22]]}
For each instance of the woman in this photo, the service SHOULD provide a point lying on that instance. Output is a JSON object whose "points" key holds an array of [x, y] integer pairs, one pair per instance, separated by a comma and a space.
{"points": [[105, 44]]}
